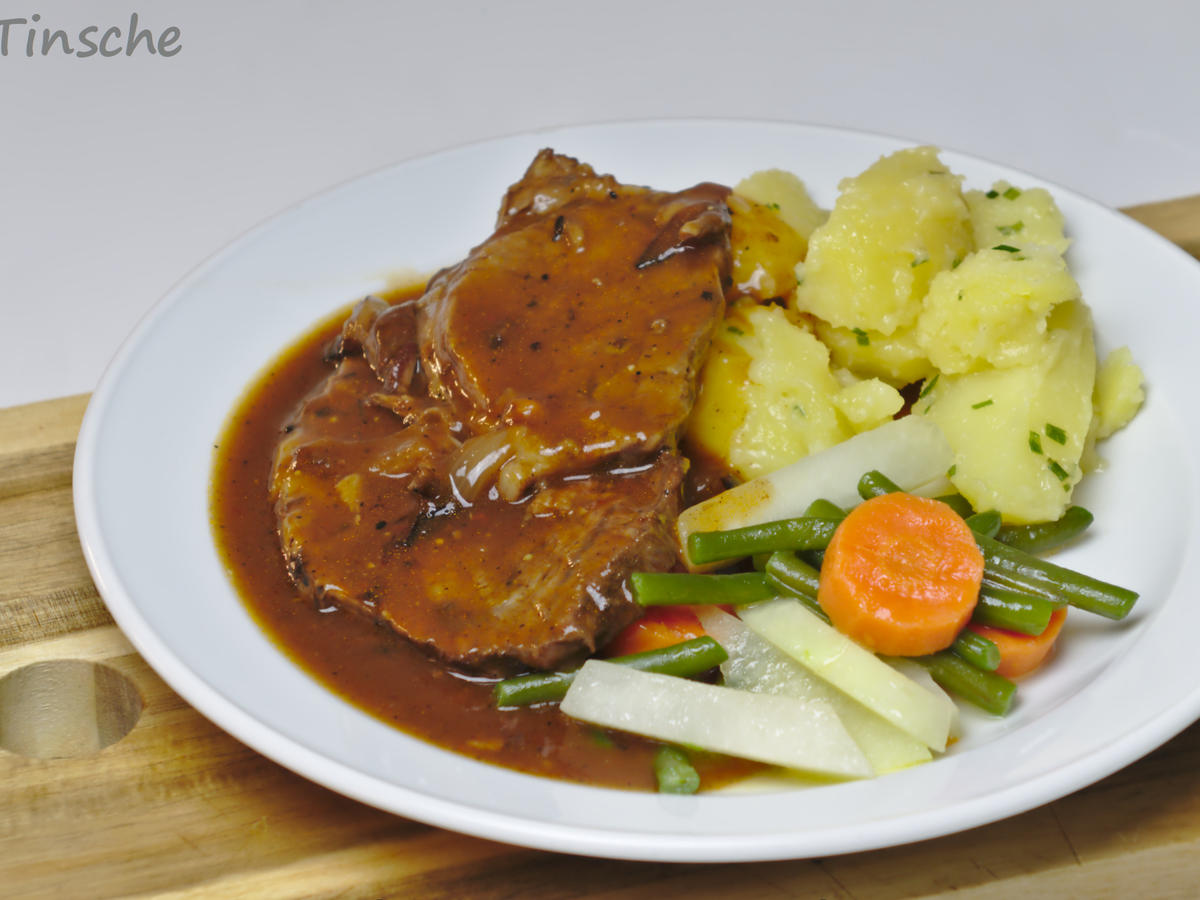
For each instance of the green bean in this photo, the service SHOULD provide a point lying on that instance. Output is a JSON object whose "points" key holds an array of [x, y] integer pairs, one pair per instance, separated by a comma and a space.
{"points": [[683, 659], [803, 533], [674, 772], [788, 568], [793, 576], [987, 690], [958, 503], [875, 484], [815, 558], [979, 651], [1043, 536], [809, 600], [1016, 569], [825, 509], [1004, 581], [675, 588], [1002, 607], [985, 523]]}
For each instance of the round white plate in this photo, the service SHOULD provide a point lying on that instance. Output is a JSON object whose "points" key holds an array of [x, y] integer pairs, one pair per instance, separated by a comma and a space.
{"points": [[1113, 693]]}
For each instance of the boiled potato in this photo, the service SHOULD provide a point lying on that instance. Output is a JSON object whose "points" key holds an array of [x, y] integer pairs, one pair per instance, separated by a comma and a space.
{"points": [[910, 280], [891, 230], [896, 358], [992, 309], [1018, 433], [867, 404], [721, 404], [786, 194], [765, 250], [1010, 216], [1119, 392], [769, 397], [788, 390]]}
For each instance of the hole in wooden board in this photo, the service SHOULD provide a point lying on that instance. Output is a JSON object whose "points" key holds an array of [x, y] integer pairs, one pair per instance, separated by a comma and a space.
{"points": [[65, 707]]}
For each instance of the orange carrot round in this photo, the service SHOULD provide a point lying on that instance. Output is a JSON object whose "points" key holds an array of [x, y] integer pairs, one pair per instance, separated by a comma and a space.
{"points": [[661, 626], [901, 575], [1020, 653]]}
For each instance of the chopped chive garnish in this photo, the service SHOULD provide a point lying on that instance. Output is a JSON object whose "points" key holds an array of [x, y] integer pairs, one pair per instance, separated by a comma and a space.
{"points": [[774, 206], [992, 195], [950, 471], [1014, 228], [733, 329], [1007, 248], [957, 262], [982, 403], [1056, 434], [919, 261], [1059, 472], [960, 294], [796, 407], [861, 337], [928, 386], [1035, 442], [1012, 194]]}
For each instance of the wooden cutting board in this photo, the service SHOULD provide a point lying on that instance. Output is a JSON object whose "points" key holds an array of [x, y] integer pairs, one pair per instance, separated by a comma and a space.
{"points": [[177, 808]]}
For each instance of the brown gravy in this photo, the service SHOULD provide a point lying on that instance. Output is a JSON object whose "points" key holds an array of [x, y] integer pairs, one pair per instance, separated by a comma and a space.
{"points": [[369, 665]]}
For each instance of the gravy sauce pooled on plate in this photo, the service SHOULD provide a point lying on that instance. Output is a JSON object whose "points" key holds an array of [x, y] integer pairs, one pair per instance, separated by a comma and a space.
{"points": [[473, 473]]}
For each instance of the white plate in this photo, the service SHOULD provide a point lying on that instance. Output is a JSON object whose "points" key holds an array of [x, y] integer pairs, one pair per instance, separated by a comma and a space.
{"points": [[1115, 691]]}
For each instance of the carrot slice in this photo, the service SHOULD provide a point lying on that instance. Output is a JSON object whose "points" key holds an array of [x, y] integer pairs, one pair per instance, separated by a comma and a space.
{"points": [[661, 626], [1020, 653], [901, 575]]}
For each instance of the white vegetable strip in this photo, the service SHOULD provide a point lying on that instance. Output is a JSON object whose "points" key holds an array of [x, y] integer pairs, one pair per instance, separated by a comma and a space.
{"points": [[911, 451], [856, 671], [921, 676], [755, 664], [783, 731]]}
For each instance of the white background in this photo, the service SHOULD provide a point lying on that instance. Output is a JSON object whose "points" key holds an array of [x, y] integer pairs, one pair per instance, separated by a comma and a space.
{"points": [[121, 174]]}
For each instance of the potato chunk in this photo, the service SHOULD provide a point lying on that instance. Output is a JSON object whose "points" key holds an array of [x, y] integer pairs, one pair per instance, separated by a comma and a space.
{"points": [[785, 193], [867, 404], [897, 358], [787, 402], [992, 309], [1018, 433], [892, 229], [1119, 392], [1017, 218], [788, 392], [765, 250], [721, 403]]}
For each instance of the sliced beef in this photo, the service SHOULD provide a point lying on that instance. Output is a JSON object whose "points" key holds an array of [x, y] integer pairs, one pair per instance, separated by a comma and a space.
{"points": [[371, 519], [581, 322], [485, 466]]}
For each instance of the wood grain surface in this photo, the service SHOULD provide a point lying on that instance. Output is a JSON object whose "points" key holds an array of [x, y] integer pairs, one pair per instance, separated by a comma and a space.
{"points": [[176, 808]]}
